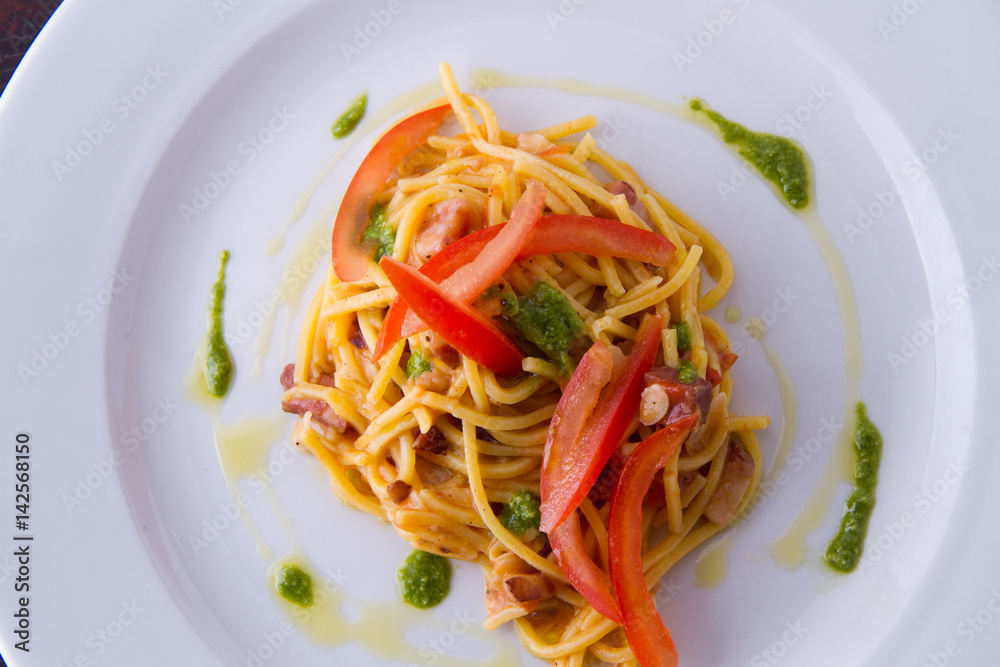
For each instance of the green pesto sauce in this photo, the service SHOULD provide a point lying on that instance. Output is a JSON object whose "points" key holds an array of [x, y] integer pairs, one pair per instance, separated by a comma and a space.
{"points": [[522, 512], [778, 159], [687, 372], [218, 361], [683, 330], [380, 231], [349, 120], [844, 551], [424, 579], [417, 364], [545, 318], [294, 585]]}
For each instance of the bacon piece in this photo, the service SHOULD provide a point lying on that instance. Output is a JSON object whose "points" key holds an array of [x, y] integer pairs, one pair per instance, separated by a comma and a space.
{"points": [[321, 412], [685, 399], [529, 587], [536, 144], [726, 358], [440, 348], [446, 222], [288, 377], [432, 442], [623, 188], [357, 339], [737, 474]]}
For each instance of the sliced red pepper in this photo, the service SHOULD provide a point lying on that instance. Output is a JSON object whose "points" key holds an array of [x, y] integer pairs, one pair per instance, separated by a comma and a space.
{"points": [[553, 233], [470, 280], [350, 256], [564, 486], [562, 454], [649, 637], [587, 578], [466, 329]]}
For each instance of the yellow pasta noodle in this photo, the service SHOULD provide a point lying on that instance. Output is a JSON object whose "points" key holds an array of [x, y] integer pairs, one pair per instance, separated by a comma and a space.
{"points": [[434, 443]]}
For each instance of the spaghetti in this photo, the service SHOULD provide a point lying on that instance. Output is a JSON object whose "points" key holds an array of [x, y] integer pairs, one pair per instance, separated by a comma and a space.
{"points": [[431, 434]]}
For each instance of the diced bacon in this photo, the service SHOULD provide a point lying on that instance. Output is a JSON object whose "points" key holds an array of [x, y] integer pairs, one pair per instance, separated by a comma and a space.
{"points": [[357, 339], [432, 442], [529, 587], [737, 474], [685, 399], [726, 358], [440, 348], [446, 222], [536, 144], [623, 188], [321, 412], [288, 377]]}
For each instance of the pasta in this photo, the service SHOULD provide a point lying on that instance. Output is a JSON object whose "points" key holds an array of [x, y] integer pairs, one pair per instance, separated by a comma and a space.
{"points": [[435, 443]]}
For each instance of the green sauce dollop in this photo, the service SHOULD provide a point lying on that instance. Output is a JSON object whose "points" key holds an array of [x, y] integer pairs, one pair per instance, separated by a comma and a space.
{"points": [[417, 364], [545, 318], [294, 585], [778, 159], [218, 367], [522, 512], [844, 551], [424, 579], [380, 231], [687, 372], [683, 330], [349, 120]]}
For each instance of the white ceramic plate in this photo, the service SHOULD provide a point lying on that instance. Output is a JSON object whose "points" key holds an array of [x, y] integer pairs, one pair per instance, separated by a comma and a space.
{"points": [[122, 115]]}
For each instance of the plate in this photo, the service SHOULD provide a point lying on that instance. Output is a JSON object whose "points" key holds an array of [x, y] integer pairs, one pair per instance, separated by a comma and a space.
{"points": [[137, 142]]}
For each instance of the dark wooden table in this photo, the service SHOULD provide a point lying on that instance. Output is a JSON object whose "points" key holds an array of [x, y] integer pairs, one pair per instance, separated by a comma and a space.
{"points": [[20, 23]]}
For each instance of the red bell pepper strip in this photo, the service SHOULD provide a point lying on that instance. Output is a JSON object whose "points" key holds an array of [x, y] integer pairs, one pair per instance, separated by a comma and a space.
{"points": [[562, 454], [562, 489], [466, 329], [553, 233], [587, 578], [576, 404], [650, 639], [350, 256], [471, 279]]}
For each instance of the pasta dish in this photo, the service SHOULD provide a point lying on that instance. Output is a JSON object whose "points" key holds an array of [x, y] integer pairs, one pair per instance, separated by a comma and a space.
{"points": [[511, 363]]}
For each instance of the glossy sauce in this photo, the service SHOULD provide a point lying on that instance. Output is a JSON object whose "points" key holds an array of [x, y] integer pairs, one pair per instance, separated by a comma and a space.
{"points": [[711, 566]]}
